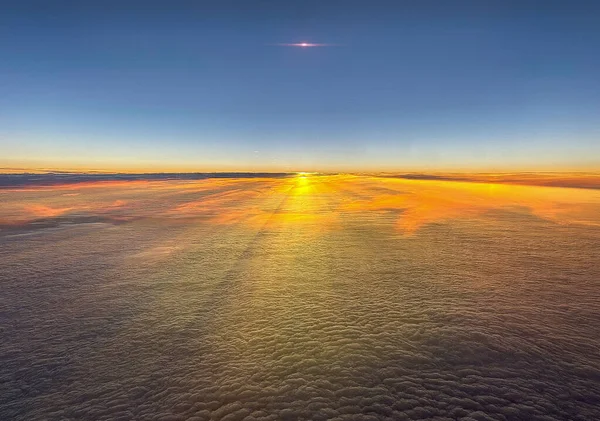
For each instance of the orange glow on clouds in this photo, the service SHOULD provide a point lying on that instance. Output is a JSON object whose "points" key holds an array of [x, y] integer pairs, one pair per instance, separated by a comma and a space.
{"points": [[43, 211], [425, 202], [317, 203]]}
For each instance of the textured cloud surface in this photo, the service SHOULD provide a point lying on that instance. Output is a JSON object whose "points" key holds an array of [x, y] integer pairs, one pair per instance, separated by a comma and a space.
{"points": [[299, 298]]}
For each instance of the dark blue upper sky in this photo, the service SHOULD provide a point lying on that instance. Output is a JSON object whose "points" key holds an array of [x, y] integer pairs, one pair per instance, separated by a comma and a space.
{"points": [[201, 85]]}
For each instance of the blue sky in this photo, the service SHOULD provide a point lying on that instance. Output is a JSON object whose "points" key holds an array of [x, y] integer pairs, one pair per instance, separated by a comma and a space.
{"points": [[203, 86]]}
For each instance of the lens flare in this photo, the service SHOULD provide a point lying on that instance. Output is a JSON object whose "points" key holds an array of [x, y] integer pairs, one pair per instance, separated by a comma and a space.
{"points": [[304, 45]]}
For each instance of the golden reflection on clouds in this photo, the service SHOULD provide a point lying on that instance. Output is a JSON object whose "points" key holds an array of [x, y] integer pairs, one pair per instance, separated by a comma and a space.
{"points": [[423, 202], [315, 202], [43, 211]]}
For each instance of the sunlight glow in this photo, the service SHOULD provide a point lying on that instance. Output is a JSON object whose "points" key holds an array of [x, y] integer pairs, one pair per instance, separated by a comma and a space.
{"points": [[317, 201]]}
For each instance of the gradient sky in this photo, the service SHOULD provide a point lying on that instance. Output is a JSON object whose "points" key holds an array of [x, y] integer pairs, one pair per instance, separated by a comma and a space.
{"points": [[203, 86]]}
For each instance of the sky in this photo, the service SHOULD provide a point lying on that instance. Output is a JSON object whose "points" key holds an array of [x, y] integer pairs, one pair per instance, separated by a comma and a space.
{"points": [[209, 86]]}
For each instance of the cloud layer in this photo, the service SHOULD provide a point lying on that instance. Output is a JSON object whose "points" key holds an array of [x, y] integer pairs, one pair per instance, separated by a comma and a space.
{"points": [[307, 298]]}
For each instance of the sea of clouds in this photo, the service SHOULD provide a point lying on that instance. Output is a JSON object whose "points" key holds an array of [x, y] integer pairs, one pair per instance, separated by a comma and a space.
{"points": [[264, 307]]}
